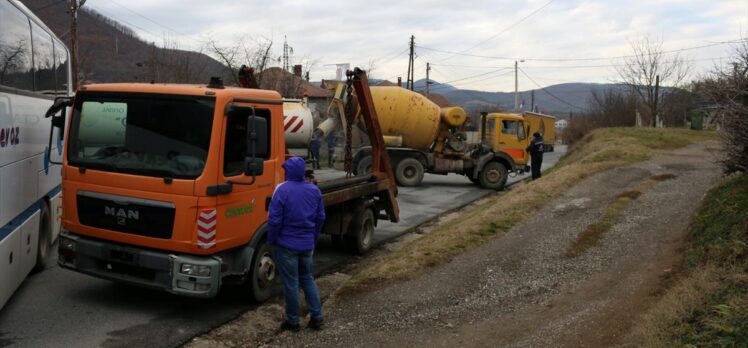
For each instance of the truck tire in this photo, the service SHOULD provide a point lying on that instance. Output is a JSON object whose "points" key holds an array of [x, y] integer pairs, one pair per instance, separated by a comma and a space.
{"points": [[263, 277], [409, 172], [360, 234], [44, 246], [493, 176], [363, 166]]}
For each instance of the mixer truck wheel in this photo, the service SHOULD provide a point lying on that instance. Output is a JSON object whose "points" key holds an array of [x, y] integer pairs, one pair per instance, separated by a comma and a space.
{"points": [[409, 172], [363, 166], [493, 176], [360, 234]]}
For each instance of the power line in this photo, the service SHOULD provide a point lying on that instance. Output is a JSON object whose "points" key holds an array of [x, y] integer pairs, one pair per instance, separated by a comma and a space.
{"points": [[511, 26], [569, 66], [146, 18], [578, 59], [548, 92], [120, 20]]}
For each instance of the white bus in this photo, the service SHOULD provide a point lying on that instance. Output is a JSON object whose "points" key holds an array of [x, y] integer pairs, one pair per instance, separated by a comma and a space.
{"points": [[34, 69]]}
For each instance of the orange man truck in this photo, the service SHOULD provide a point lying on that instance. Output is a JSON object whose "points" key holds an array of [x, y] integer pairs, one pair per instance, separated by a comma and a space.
{"points": [[168, 186]]}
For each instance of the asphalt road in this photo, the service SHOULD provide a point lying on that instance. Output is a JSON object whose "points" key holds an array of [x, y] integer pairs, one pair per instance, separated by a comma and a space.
{"points": [[61, 308]]}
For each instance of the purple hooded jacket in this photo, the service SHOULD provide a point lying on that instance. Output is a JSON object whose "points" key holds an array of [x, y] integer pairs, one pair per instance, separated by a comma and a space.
{"points": [[297, 212]]}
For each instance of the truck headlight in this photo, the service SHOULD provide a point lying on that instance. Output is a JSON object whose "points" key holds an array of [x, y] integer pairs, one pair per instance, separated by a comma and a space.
{"points": [[195, 270]]}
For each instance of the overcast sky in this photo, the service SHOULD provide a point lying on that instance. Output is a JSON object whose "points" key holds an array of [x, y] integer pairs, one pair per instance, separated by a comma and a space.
{"points": [[560, 40]]}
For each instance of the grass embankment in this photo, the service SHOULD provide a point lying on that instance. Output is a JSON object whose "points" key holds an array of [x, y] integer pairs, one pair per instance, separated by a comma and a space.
{"points": [[600, 150], [708, 307]]}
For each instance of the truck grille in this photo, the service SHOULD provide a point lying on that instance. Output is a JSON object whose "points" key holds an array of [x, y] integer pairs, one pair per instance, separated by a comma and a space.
{"points": [[126, 214]]}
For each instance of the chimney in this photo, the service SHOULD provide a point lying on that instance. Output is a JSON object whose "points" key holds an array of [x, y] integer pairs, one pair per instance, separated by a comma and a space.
{"points": [[297, 70]]}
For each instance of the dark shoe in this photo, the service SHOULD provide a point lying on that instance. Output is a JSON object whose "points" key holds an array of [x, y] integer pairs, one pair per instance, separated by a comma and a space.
{"points": [[286, 326], [316, 324]]}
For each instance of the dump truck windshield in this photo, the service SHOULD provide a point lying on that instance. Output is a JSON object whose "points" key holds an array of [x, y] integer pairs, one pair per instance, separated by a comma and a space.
{"points": [[141, 134]]}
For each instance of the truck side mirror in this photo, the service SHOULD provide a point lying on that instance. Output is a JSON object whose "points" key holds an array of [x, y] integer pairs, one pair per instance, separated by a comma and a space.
{"points": [[59, 104], [257, 145]]}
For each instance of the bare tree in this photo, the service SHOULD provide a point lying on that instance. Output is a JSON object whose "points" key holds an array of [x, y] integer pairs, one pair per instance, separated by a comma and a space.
{"points": [[648, 69], [255, 54], [727, 89], [613, 107]]}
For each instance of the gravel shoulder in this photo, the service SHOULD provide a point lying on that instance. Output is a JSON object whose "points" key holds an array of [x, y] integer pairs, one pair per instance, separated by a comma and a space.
{"points": [[522, 290]]}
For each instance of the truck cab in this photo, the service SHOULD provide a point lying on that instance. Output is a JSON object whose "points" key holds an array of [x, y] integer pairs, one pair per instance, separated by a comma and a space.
{"points": [[506, 133], [168, 186]]}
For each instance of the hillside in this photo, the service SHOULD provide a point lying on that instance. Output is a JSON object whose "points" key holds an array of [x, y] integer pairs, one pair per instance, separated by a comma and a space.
{"points": [[111, 52]]}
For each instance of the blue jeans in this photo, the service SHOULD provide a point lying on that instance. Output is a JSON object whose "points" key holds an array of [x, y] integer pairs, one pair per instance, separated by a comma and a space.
{"points": [[295, 268]]}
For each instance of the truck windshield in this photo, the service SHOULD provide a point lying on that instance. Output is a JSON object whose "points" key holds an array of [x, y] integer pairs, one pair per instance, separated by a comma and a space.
{"points": [[141, 134]]}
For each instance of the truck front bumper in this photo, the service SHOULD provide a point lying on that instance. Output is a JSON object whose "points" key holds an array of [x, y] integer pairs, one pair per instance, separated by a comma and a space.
{"points": [[187, 275]]}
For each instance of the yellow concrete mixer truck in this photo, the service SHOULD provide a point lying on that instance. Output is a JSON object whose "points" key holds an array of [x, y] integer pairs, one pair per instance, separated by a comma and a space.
{"points": [[423, 138]]}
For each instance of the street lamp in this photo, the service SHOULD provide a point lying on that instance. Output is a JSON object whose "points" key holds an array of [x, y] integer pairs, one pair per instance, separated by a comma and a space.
{"points": [[516, 86]]}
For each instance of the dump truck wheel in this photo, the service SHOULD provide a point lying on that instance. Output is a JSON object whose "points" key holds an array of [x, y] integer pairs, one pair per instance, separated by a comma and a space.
{"points": [[263, 278], [493, 176], [360, 235], [44, 246], [363, 166], [409, 172]]}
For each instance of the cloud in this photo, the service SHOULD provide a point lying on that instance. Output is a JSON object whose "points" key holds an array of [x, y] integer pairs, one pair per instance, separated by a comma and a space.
{"points": [[361, 32]]}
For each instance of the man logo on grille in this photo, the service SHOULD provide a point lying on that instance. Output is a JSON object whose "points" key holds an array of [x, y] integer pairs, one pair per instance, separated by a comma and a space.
{"points": [[122, 214]]}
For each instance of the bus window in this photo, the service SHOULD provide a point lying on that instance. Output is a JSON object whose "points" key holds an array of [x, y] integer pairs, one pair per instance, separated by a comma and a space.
{"points": [[61, 68], [15, 48], [44, 60]]}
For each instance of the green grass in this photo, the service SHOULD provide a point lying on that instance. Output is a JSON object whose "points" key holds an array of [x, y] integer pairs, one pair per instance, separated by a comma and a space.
{"points": [[601, 150], [720, 239]]}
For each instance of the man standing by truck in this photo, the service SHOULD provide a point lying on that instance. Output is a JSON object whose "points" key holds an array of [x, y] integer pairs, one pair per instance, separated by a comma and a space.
{"points": [[295, 221], [536, 154]]}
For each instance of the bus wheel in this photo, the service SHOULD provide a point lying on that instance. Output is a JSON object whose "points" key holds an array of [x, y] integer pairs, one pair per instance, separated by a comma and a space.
{"points": [[361, 233], [493, 176], [44, 247], [263, 278]]}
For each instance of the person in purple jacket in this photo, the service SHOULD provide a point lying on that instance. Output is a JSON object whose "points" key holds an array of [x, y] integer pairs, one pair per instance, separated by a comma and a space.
{"points": [[295, 220]]}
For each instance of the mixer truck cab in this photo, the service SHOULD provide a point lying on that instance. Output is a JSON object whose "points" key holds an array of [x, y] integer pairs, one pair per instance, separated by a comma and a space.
{"points": [[506, 134], [168, 187]]}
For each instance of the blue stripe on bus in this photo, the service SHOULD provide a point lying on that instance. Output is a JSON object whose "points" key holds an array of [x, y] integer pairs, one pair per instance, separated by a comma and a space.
{"points": [[18, 220]]}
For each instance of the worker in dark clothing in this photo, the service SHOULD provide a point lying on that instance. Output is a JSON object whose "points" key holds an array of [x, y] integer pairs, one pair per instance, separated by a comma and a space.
{"points": [[295, 220], [330, 149], [314, 146], [536, 154]]}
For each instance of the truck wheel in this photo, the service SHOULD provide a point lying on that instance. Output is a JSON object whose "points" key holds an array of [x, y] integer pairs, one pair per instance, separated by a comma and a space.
{"points": [[493, 176], [361, 233], [44, 246], [263, 278], [363, 166], [409, 172]]}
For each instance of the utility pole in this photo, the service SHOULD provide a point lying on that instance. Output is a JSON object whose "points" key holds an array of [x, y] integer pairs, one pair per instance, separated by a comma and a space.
{"points": [[74, 6], [532, 101], [655, 117], [428, 68], [411, 73], [516, 87]]}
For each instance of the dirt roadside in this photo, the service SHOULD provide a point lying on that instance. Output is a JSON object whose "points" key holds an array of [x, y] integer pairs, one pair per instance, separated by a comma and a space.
{"points": [[522, 289]]}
